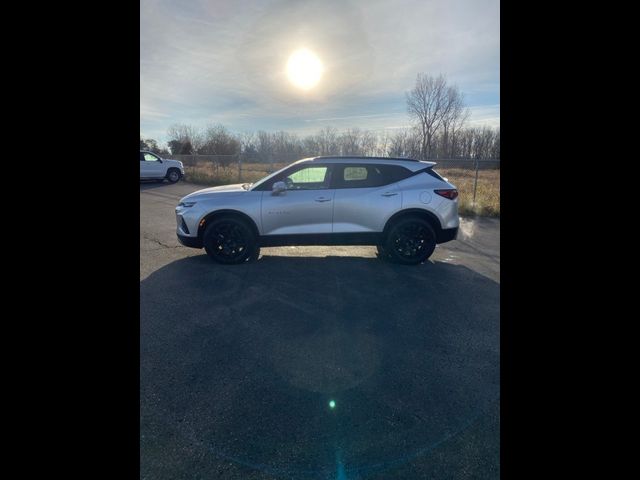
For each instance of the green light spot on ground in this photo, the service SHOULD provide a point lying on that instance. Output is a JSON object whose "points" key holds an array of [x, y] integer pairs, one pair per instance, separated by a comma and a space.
{"points": [[332, 404]]}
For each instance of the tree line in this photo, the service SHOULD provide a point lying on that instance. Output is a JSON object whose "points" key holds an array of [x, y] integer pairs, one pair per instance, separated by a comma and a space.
{"points": [[438, 131]]}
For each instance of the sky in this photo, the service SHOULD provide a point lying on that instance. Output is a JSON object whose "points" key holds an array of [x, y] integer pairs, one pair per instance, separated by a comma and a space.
{"points": [[207, 62]]}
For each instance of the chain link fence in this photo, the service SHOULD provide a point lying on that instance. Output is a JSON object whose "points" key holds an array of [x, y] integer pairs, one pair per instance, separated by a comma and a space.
{"points": [[478, 184]]}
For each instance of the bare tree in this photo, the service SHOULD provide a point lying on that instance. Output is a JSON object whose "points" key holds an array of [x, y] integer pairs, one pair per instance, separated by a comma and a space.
{"points": [[382, 144], [439, 131], [186, 138], [405, 143], [248, 146], [495, 150], [311, 146], [248, 141], [483, 142], [368, 143], [429, 103], [221, 143], [265, 147], [453, 120], [349, 142], [328, 141], [455, 127]]}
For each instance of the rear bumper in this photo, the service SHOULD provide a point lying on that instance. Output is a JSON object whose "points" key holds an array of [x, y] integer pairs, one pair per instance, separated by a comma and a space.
{"points": [[447, 234], [193, 242]]}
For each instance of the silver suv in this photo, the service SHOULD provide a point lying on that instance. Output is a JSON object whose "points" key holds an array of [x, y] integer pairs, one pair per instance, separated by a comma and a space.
{"points": [[400, 205]]}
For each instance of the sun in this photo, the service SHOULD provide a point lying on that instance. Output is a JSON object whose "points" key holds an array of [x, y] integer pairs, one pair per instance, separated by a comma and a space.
{"points": [[304, 69]]}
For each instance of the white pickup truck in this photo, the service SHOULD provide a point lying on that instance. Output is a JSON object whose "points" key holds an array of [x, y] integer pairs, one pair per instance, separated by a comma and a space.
{"points": [[152, 167]]}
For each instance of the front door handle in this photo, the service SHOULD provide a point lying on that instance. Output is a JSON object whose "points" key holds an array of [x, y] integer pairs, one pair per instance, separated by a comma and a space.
{"points": [[389, 194], [322, 199]]}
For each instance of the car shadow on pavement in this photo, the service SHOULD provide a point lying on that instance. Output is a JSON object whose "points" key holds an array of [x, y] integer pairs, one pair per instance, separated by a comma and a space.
{"points": [[151, 184], [239, 366]]}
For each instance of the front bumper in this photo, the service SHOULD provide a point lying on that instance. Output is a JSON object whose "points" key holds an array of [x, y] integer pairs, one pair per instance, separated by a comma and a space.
{"points": [[193, 242], [187, 227]]}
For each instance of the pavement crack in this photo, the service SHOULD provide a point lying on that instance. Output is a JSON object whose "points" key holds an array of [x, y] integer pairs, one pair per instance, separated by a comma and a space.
{"points": [[418, 417], [161, 243]]}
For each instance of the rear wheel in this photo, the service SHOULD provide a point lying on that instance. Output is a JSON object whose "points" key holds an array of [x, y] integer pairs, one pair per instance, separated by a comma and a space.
{"points": [[230, 240], [410, 241]]}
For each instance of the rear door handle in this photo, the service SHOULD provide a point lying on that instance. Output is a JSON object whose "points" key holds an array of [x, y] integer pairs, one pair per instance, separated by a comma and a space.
{"points": [[322, 199], [389, 194]]}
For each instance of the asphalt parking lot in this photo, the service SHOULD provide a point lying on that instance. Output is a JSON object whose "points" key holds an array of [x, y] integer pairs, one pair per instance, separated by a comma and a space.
{"points": [[239, 364]]}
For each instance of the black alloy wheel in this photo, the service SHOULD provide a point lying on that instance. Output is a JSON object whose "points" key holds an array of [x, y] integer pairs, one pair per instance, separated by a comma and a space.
{"points": [[410, 241], [230, 241]]}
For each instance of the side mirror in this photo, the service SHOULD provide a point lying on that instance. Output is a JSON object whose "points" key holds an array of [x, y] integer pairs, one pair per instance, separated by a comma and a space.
{"points": [[278, 187]]}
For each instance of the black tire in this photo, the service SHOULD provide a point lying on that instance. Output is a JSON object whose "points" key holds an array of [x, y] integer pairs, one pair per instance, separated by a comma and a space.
{"points": [[230, 240], [173, 175], [409, 241], [381, 253]]}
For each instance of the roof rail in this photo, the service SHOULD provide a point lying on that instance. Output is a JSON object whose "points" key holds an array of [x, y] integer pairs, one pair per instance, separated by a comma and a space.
{"points": [[361, 157]]}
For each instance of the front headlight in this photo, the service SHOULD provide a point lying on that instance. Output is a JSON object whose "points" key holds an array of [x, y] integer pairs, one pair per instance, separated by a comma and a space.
{"points": [[186, 204]]}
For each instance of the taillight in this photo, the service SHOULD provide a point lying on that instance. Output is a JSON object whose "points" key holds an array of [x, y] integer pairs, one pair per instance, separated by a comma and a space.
{"points": [[450, 193]]}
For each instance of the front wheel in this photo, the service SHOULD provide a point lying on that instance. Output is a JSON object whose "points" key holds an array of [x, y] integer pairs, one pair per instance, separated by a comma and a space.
{"points": [[173, 175], [381, 253], [230, 241], [410, 241]]}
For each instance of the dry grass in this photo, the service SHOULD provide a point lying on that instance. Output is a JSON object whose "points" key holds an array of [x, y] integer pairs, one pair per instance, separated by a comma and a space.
{"points": [[487, 195], [208, 174]]}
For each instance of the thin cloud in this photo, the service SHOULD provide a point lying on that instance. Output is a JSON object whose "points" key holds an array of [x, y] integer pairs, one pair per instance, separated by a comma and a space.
{"points": [[151, 114], [223, 61], [485, 115], [350, 117]]}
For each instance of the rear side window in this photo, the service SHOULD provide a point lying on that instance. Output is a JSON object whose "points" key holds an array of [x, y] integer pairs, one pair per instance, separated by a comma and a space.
{"points": [[355, 173], [368, 176]]}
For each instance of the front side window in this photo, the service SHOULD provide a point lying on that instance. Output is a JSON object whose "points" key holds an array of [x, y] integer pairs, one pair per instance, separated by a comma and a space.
{"points": [[150, 157], [309, 177]]}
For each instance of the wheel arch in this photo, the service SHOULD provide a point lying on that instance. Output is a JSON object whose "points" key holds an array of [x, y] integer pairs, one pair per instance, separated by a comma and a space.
{"points": [[173, 168], [415, 212], [227, 212]]}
